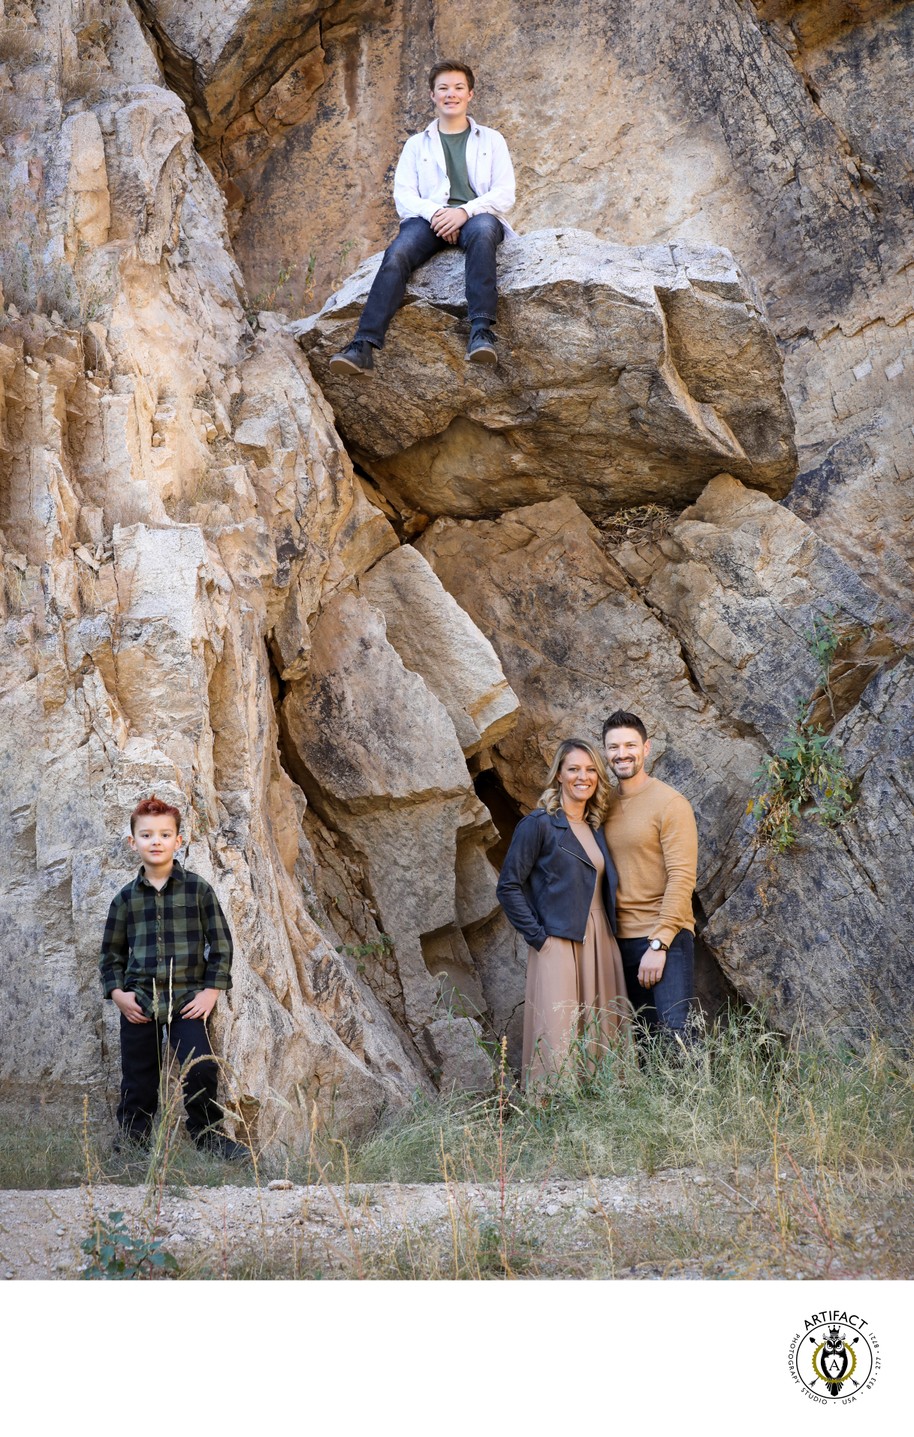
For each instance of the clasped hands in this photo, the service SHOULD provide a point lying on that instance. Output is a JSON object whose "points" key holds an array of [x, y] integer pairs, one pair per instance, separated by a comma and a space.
{"points": [[200, 1006], [448, 222]]}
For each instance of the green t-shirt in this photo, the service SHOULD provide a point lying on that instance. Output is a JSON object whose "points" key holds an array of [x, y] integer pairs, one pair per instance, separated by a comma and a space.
{"points": [[455, 157]]}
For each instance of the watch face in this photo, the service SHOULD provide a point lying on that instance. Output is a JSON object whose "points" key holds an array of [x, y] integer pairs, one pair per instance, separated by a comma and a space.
{"points": [[655, 944]]}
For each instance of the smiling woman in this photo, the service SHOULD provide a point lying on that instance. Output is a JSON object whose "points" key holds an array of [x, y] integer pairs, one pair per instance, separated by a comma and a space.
{"points": [[558, 889]]}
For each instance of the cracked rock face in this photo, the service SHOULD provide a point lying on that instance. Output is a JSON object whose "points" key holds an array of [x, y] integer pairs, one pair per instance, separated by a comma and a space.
{"points": [[399, 791], [775, 128], [709, 643], [239, 58], [655, 361], [823, 935], [436, 638], [576, 641], [200, 597], [742, 583], [177, 515]]}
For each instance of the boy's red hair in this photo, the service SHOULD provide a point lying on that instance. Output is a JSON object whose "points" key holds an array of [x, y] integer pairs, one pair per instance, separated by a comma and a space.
{"points": [[153, 807]]}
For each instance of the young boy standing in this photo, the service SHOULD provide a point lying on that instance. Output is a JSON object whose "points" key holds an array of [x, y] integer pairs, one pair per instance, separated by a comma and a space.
{"points": [[453, 185], [166, 954]]}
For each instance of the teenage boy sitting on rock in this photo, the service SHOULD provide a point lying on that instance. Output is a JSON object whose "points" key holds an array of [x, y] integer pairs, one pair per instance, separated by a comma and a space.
{"points": [[454, 184], [166, 954]]}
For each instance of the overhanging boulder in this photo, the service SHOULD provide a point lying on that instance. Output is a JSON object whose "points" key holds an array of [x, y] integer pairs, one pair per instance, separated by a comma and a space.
{"points": [[626, 375]]}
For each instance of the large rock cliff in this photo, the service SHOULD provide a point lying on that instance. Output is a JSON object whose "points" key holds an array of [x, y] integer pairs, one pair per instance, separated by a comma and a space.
{"points": [[776, 128], [181, 531], [202, 596]]}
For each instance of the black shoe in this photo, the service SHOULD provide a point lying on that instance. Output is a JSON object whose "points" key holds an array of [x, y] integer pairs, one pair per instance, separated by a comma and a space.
{"points": [[222, 1147], [481, 348], [356, 358], [131, 1145]]}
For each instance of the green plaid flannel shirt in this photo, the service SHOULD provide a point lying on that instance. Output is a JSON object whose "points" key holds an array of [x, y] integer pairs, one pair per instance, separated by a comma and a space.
{"points": [[166, 944]]}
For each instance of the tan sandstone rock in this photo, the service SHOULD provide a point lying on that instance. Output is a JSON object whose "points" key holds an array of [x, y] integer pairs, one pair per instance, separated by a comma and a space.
{"points": [[378, 756], [656, 362], [176, 508], [822, 934], [85, 200], [739, 581], [185, 547], [771, 127], [435, 637], [238, 56], [576, 641]]}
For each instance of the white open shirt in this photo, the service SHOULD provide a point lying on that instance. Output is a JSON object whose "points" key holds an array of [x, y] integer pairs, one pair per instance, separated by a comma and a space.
{"points": [[421, 184]]}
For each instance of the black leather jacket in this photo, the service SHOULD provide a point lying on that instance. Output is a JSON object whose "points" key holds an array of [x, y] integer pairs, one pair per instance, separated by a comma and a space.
{"points": [[547, 881]]}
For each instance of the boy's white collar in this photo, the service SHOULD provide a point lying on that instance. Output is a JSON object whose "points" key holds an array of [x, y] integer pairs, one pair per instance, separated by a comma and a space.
{"points": [[432, 129]]}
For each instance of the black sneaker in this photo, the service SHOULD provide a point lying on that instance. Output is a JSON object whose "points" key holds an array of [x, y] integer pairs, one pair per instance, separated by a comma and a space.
{"points": [[481, 348], [222, 1147], [356, 358]]}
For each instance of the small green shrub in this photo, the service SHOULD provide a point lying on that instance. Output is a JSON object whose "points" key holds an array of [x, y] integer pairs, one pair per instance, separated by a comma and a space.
{"points": [[807, 774], [114, 1253], [823, 640], [381, 948]]}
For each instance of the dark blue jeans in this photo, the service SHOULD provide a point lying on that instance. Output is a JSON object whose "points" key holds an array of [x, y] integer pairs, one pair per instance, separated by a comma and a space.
{"points": [[666, 1006], [141, 1064], [417, 242]]}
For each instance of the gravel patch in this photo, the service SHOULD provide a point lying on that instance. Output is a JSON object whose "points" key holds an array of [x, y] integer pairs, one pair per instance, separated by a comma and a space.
{"points": [[334, 1229], [678, 1223]]}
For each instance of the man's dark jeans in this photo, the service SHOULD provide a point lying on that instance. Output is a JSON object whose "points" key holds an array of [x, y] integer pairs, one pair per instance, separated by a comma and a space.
{"points": [[665, 1007], [141, 1062], [479, 238]]}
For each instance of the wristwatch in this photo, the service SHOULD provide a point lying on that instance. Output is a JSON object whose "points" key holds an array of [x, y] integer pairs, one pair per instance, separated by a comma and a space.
{"points": [[658, 947]]}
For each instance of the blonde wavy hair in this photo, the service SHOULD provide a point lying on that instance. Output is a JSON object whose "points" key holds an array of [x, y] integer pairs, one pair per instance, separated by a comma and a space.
{"points": [[551, 797]]}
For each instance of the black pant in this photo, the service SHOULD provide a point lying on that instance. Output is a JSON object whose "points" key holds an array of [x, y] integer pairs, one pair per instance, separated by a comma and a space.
{"points": [[141, 1063], [416, 242], [665, 1007]]}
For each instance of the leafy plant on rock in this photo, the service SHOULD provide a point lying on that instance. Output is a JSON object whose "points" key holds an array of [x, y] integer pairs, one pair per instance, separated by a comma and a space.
{"points": [[807, 774]]}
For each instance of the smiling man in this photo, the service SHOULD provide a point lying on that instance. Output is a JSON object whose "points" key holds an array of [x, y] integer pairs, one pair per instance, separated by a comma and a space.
{"points": [[650, 832], [453, 185]]}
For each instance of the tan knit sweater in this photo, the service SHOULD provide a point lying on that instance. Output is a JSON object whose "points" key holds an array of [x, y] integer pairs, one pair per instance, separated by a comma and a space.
{"points": [[654, 844]]}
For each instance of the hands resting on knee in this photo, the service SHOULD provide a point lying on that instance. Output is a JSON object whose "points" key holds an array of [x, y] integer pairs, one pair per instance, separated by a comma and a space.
{"points": [[448, 222]]}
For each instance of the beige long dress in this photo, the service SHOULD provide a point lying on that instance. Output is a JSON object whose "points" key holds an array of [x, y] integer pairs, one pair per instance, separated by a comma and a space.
{"points": [[575, 991]]}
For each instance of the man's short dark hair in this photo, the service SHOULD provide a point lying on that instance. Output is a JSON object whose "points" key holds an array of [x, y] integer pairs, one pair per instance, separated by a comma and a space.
{"points": [[621, 719], [443, 66]]}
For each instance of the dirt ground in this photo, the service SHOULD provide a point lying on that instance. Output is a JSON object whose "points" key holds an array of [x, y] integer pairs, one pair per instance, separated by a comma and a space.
{"points": [[675, 1224]]}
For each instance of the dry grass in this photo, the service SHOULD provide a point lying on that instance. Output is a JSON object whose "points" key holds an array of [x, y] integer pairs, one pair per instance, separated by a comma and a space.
{"points": [[746, 1156], [641, 524], [740, 1090], [22, 45]]}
